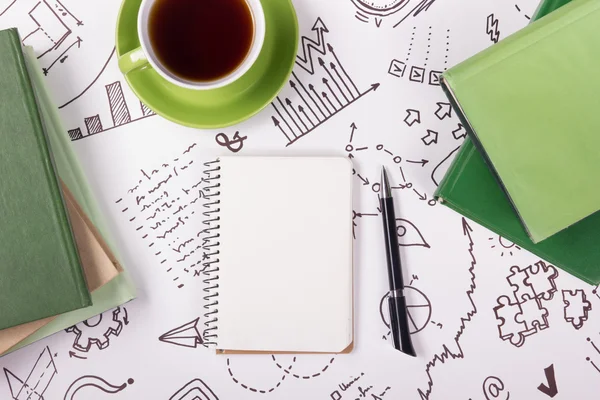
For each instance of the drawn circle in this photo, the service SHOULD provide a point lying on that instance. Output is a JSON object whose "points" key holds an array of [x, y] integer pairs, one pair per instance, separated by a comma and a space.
{"points": [[349, 148], [376, 187], [401, 230], [397, 159], [408, 186], [380, 7], [432, 202], [379, 147], [493, 386], [505, 243], [94, 321], [130, 381], [418, 308]]}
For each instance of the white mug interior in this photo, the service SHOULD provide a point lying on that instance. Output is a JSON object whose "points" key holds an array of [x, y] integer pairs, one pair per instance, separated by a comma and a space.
{"points": [[258, 19]]}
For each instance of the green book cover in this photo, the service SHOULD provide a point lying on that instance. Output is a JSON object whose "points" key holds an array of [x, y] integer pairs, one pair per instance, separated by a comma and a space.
{"points": [[470, 188], [531, 102], [40, 270]]}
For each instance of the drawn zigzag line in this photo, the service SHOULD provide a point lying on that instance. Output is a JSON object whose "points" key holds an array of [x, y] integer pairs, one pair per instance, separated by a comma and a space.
{"points": [[305, 60], [447, 354]]}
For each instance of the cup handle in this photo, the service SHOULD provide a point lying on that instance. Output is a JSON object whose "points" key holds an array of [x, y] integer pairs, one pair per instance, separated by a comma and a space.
{"points": [[132, 60]]}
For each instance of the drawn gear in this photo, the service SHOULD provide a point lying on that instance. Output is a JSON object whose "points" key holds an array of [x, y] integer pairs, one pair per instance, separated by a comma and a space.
{"points": [[97, 332]]}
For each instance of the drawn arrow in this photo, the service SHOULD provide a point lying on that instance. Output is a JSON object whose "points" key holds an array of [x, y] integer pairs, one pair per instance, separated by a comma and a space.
{"points": [[73, 354], [289, 115], [412, 116], [76, 43], [326, 82], [551, 389], [278, 125], [125, 317], [421, 197], [444, 110], [305, 60], [360, 215], [322, 64], [365, 181], [431, 137], [293, 85], [301, 109], [327, 98], [422, 162], [459, 132], [289, 103], [312, 89], [339, 64], [334, 68], [353, 126]]}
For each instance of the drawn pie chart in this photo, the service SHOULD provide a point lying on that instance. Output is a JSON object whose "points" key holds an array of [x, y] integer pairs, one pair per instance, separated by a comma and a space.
{"points": [[418, 308]]}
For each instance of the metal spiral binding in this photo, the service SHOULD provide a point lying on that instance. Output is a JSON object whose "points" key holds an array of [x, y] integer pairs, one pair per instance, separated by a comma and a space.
{"points": [[210, 247]]}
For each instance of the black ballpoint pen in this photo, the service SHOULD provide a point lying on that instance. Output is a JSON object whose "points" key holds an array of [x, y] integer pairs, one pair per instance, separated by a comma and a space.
{"points": [[396, 301]]}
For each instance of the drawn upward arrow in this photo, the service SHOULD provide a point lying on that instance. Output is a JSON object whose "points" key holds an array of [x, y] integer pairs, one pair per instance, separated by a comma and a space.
{"points": [[305, 60], [431, 137], [326, 82], [422, 162], [293, 85], [327, 98], [339, 64], [551, 389], [444, 110], [459, 132], [278, 125], [301, 109], [334, 68], [312, 89], [353, 127], [289, 103], [412, 116]]}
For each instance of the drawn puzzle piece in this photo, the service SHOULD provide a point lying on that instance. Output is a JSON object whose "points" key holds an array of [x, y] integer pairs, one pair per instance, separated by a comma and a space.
{"points": [[509, 328], [533, 315], [576, 307], [541, 280], [517, 279]]}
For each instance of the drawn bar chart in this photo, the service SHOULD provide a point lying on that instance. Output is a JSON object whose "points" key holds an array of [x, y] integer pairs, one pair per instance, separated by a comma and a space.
{"points": [[119, 111]]}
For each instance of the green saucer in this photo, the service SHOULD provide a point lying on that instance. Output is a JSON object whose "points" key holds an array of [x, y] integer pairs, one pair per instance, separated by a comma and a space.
{"points": [[228, 105]]}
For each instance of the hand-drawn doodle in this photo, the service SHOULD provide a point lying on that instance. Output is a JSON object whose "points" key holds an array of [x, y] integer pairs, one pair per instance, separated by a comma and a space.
{"points": [[504, 246], [166, 211], [326, 94], [460, 132], [186, 335], [412, 116], [91, 381], [119, 111], [589, 340], [430, 138], [493, 388], [550, 389], [39, 378], [298, 373], [195, 389], [396, 10], [421, 44], [492, 29], [522, 314], [98, 330], [519, 10], [418, 308], [438, 172], [234, 144], [443, 111], [278, 382], [409, 235], [447, 353], [576, 307]]}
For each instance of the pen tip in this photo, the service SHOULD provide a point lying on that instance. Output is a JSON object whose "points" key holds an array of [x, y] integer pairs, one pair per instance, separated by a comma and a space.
{"points": [[385, 184]]}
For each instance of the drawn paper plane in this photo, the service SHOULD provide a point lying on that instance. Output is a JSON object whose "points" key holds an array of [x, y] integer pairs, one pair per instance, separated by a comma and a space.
{"points": [[186, 335], [37, 381]]}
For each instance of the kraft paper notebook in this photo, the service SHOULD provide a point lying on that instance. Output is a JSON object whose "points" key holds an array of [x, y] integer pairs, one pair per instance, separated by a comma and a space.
{"points": [[470, 188], [279, 267], [531, 102], [40, 270]]}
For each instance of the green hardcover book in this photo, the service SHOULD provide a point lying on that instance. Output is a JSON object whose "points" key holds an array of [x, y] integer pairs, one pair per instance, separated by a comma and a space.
{"points": [[40, 269], [531, 103], [470, 188]]}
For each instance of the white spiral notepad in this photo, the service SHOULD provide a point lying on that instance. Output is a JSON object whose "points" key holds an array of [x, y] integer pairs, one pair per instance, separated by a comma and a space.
{"points": [[279, 247]]}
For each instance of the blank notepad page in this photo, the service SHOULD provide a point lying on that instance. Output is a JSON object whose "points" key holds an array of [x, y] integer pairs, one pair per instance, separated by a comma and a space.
{"points": [[285, 270]]}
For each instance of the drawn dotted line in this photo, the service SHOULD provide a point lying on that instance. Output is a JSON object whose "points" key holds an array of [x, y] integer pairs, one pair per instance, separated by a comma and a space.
{"points": [[412, 39], [447, 49], [428, 46], [265, 391], [48, 36], [287, 371]]}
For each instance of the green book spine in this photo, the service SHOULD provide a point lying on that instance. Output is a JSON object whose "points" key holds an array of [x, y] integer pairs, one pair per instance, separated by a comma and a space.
{"points": [[470, 188], [40, 270]]}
